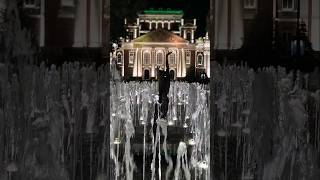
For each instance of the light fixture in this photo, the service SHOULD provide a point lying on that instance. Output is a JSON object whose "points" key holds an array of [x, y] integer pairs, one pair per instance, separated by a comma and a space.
{"points": [[141, 118], [191, 142], [203, 165], [174, 118], [116, 141], [143, 122], [113, 114], [170, 123], [185, 125]]}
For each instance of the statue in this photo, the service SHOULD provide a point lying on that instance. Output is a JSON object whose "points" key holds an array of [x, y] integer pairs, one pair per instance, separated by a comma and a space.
{"points": [[164, 86]]}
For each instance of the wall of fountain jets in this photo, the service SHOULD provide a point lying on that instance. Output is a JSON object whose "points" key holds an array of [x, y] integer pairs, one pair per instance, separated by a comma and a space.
{"points": [[265, 124], [133, 105], [53, 124]]}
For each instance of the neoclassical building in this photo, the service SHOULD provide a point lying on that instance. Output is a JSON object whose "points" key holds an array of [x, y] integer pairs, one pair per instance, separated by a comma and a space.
{"points": [[152, 36]]}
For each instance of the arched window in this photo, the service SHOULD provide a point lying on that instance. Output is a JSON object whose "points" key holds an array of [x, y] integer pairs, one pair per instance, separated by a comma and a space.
{"points": [[172, 74], [159, 58], [172, 58], [287, 5], [119, 58], [189, 36], [131, 57], [200, 59], [166, 25], [188, 57], [250, 4], [30, 3], [146, 58]]}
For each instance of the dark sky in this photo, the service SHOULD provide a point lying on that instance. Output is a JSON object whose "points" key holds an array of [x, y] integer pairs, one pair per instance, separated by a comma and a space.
{"points": [[128, 8]]}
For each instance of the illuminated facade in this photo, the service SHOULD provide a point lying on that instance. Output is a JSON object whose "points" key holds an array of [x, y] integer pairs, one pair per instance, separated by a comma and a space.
{"points": [[152, 36]]}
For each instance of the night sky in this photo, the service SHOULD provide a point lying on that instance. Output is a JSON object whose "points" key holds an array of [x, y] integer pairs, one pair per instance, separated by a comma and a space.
{"points": [[129, 8]]}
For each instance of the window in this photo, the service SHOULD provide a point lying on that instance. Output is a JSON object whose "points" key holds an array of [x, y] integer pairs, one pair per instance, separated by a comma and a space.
{"points": [[119, 58], [200, 59], [146, 58], [287, 5], [172, 58], [131, 57], [30, 3], [69, 3], [249, 4], [159, 58], [188, 57]]}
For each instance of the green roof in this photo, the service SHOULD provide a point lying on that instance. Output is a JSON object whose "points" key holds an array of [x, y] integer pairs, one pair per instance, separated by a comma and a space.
{"points": [[161, 11]]}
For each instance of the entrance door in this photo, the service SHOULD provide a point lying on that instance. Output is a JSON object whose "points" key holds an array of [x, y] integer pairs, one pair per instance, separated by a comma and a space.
{"points": [[172, 74], [146, 74]]}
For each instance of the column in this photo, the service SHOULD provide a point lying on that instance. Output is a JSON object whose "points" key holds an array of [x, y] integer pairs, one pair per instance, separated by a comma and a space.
{"points": [[185, 34], [153, 61], [183, 64], [135, 33], [42, 24], [192, 36], [315, 26], [140, 64], [135, 64], [122, 63], [80, 25], [95, 19]]}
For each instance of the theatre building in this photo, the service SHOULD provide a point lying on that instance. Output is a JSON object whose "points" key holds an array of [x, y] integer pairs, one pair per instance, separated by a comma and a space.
{"points": [[152, 36]]}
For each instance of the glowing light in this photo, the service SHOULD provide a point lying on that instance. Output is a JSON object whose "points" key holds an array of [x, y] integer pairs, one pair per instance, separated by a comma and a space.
{"points": [[203, 165], [191, 142], [116, 141], [113, 114], [141, 118], [185, 125], [170, 123], [143, 122], [174, 118]]}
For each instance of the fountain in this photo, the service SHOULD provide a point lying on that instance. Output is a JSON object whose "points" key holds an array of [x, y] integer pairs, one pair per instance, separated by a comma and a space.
{"points": [[53, 125], [166, 149]]}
